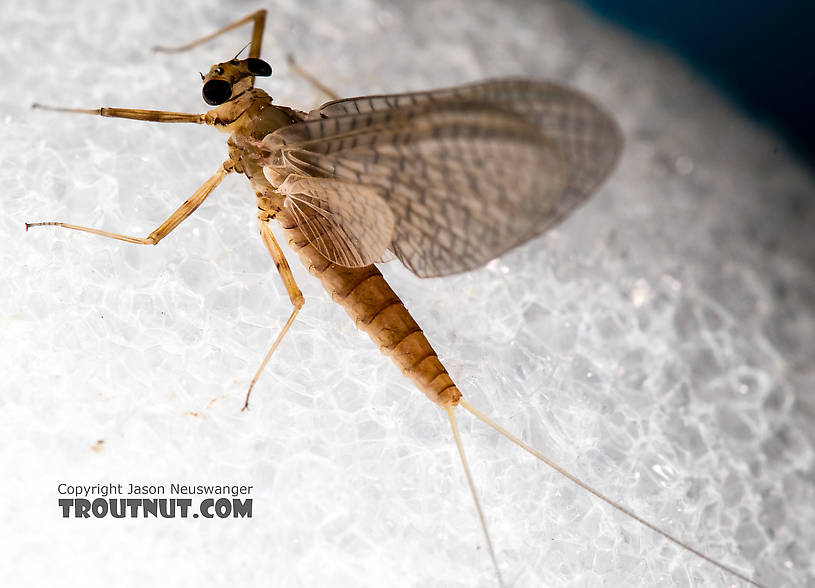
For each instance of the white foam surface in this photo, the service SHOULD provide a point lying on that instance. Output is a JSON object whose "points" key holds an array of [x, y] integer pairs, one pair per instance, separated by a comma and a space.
{"points": [[659, 344]]}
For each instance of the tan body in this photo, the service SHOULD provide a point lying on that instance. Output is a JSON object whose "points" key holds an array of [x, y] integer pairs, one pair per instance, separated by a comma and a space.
{"points": [[377, 310], [363, 292]]}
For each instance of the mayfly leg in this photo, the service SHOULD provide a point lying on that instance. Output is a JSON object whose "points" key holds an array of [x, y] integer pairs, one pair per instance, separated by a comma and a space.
{"points": [[295, 295], [164, 116], [309, 77], [183, 211], [176, 218], [259, 19]]}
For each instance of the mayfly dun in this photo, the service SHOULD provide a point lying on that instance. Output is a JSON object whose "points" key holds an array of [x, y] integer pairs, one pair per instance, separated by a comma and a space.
{"points": [[423, 177]]}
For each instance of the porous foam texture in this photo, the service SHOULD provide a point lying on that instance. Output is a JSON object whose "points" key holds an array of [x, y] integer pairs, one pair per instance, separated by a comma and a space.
{"points": [[659, 344]]}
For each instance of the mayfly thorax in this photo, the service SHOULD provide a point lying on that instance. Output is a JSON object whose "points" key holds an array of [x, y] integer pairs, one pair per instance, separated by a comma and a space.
{"points": [[443, 180]]}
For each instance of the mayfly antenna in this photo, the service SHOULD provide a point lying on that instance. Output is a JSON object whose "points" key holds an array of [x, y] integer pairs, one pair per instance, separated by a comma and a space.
{"points": [[242, 50]]}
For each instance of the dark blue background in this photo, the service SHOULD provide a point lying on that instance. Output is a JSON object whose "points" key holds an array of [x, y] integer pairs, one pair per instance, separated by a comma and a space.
{"points": [[761, 53]]}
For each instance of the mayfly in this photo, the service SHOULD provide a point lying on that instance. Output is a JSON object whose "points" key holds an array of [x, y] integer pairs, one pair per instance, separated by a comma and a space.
{"points": [[443, 180]]}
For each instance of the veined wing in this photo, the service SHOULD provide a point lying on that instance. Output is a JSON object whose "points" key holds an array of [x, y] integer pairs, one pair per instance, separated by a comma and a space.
{"points": [[588, 137], [468, 173], [349, 224]]}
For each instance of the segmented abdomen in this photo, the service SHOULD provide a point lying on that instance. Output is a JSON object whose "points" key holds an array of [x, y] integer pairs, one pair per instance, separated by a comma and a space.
{"points": [[378, 311]]}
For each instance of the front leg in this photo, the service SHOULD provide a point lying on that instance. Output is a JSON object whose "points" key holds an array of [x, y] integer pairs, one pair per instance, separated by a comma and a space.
{"points": [[258, 20], [164, 116], [175, 219], [219, 117]]}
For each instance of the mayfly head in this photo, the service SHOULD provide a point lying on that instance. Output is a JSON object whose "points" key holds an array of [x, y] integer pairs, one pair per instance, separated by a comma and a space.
{"points": [[229, 80]]}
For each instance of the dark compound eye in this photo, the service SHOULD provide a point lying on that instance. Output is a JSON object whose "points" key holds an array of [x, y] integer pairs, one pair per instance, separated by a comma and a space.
{"points": [[216, 92], [258, 67], [218, 71]]}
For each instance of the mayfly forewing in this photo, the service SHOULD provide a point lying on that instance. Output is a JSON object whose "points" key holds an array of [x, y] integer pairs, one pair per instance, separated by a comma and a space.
{"points": [[465, 180], [587, 135]]}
